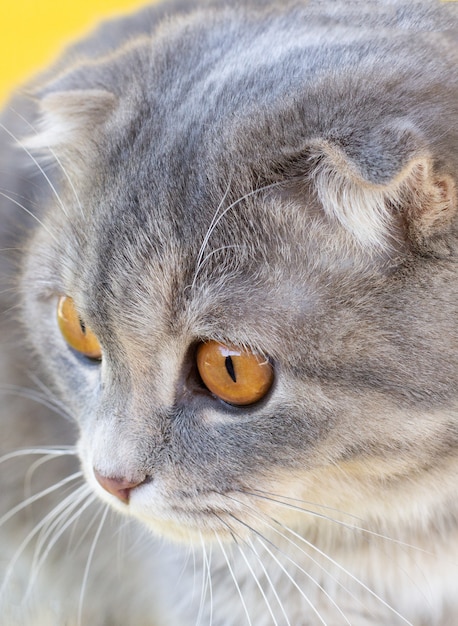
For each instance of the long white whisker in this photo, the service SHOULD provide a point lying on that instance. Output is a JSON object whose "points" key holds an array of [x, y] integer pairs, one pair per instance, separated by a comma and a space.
{"points": [[35, 396], [301, 569], [56, 158], [327, 557], [46, 177], [38, 496], [314, 609], [37, 219], [208, 256], [50, 516], [210, 586], [206, 582], [49, 395], [258, 584], [250, 569], [88, 566], [57, 452], [237, 586], [347, 572], [366, 533], [38, 560], [218, 217], [84, 534], [286, 500], [352, 527], [73, 501], [269, 580], [208, 234], [20, 196], [32, 469]]}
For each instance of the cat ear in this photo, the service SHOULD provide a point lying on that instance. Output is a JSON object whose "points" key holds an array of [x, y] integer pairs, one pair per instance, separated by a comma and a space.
{"points": [[71, 122], [395, 193]]}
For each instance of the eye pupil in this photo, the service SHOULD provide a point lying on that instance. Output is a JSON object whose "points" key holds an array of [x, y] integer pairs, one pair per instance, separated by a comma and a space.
{"points": [[230, 368]]}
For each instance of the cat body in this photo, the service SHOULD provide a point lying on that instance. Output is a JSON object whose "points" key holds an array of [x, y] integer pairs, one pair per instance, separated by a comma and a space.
{"points": [[279, 178]]}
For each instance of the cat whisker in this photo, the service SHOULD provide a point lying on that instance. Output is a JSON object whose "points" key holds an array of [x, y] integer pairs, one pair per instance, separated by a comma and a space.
{"points": [[369, 534], [234, 578], [20, 196], [208, 234], [20, 144], [32, 394], [237, 539], [207, 257], [38, 527], [37, 496], [35, 217], [218, 217], [263, 539], [206, 584], [32, 469], [288, 575], [192, 552], [73, 500], [86, 532], [57, 528], [48, 394], [280, 499], [51, 451], [345, 571], [269, 580], [56, 158], [208, 558], [257, 583], [8, 289], [276, 499], [89, 563], [323, 554]]}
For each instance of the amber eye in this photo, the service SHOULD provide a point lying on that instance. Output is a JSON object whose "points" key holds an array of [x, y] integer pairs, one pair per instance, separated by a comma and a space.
{"points": [[236, 376], [74, 330]]}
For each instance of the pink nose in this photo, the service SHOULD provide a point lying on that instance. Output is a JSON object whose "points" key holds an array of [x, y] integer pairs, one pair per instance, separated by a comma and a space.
{"points": [[119, 487]]}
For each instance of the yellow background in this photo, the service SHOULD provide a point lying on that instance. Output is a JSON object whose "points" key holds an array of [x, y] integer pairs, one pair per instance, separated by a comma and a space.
{"points": [[32, 32]]}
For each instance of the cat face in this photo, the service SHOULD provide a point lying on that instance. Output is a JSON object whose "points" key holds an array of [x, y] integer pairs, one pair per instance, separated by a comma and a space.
{"points": [[264, 223]]}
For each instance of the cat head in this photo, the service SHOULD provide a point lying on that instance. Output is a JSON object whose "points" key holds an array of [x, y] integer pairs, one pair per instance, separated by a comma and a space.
{"points": [[221, 210]]}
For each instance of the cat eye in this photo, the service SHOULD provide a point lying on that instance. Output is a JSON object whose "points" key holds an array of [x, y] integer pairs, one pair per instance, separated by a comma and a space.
{"points": [[237, 376], [75, 332]]}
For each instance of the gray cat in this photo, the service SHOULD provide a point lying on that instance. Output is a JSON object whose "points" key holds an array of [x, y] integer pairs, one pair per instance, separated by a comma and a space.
{"points": [[229, 384]]}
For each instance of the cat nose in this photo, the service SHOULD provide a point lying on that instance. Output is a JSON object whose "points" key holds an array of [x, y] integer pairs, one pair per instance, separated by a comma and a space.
{"points": [[118, 486]]}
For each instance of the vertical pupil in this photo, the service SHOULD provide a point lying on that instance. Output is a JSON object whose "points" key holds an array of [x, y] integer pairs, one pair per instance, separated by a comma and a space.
{"points": [[230, 368], [82, 326]]}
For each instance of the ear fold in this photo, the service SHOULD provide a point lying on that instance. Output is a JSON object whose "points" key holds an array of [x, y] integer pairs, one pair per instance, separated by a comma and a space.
{"points": [[370, 202], [71, 121]]}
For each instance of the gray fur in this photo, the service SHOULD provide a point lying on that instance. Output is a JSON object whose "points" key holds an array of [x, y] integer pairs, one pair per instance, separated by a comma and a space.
{"points": [[279, 176]]}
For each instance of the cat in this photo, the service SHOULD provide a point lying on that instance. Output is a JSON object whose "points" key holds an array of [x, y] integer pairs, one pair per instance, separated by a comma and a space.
{"points": [[229, 320]]}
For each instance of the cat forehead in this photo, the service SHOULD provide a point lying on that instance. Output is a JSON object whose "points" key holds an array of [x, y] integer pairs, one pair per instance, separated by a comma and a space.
{"points": [[203, 273]]}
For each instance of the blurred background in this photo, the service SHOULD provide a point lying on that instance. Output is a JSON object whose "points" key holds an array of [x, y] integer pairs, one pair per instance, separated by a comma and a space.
{"points": [[33, 32]]}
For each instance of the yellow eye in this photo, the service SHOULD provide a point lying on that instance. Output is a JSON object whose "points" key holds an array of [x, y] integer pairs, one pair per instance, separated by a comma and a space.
{"points": [[236, 376], [74, 330]]}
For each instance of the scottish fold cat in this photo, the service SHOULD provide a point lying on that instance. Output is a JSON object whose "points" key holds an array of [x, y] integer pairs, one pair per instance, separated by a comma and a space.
{"points": [[229, 320]]}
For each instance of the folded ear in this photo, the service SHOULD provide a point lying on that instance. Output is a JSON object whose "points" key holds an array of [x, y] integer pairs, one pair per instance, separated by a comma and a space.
{"points": [[385, 191], [70, 123]]}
